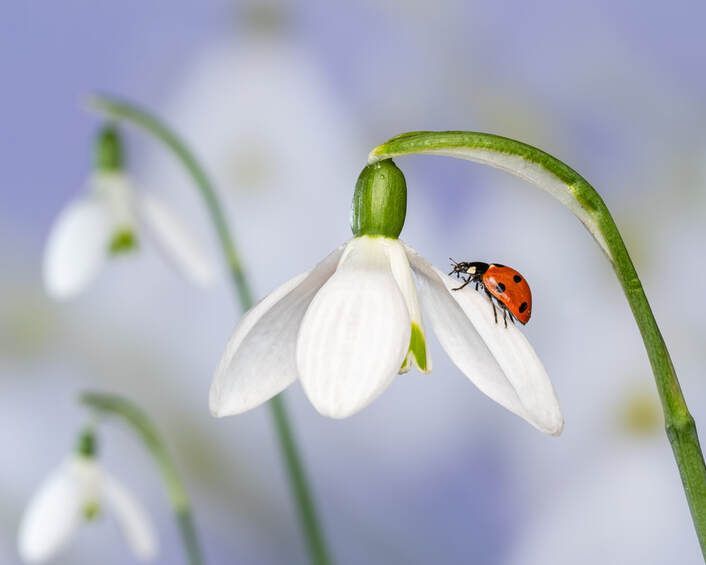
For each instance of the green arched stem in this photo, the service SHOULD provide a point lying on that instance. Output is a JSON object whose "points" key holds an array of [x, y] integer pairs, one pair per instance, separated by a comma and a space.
{"points": [[572, 190], [120, 110], [113, 405]]}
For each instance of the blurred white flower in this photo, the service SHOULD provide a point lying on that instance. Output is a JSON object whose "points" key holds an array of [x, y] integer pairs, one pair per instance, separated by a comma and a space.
{"points": [[78, 492], [251, 144], [106, 221], [624, 506], [350, 325]]}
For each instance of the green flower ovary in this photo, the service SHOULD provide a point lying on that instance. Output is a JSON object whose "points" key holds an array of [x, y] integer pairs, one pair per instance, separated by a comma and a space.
{"points": [[380, 201], [108, 149]]}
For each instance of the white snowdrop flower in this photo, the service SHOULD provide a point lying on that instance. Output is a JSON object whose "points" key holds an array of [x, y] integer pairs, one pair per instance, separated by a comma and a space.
{"points": [[77, 492], [106, 221], [347, 328]]}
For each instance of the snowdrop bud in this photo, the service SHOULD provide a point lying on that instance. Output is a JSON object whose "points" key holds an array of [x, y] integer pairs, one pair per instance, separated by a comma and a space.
{"points": [[379, 201], [108, 150]]}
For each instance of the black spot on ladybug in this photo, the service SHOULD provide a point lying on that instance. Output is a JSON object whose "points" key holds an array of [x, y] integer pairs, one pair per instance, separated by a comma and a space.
{"points": [[523, 307], [500, 287], [517, 278]]}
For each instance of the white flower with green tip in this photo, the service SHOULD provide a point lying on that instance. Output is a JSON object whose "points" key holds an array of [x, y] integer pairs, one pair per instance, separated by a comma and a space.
{"points": [[107, 221], [347, 328], [75, 493]]}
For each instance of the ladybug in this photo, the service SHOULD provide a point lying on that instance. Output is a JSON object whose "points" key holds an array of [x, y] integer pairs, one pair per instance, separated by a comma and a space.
{"points": [[504, 284]]}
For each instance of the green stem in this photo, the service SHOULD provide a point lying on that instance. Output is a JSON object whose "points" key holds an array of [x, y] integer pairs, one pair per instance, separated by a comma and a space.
{"points": [[299, 485], [113, 405], [570, 188]]}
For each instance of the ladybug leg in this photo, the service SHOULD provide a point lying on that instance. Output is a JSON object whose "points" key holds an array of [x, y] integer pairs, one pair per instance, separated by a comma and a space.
{"points": [[505, 316], [512, 319], [495, 311], [465, 282]]}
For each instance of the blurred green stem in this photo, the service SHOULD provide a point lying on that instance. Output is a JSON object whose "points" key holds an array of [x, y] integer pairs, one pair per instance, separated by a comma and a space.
{"points": [[113, 405], [299, 485], [572, 190]]}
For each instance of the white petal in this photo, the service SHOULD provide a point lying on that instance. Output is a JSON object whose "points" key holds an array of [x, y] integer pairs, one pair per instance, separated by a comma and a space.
{"points": [[460, 339], [516, 357], [175, 240], [498, 360], [419, 352], [55, 511], [260, 359], [132, 518], [77, 247], [119, 195], [355, 334], [403, 275]]}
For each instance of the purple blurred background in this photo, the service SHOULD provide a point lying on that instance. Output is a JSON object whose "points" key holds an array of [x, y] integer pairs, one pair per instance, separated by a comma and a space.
{"points": [[432, 472]]}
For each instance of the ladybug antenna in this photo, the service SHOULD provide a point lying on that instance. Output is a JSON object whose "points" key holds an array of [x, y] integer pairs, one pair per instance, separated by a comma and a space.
{"points": [[455, 264]]}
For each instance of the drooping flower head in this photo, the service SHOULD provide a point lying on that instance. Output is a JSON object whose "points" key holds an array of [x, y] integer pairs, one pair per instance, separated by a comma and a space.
{"points": [[348, 327], [79, 491], [107, 221]]}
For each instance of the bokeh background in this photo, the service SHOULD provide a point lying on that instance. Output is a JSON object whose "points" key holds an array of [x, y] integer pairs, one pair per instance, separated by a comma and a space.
{"points": [[283, 101]]}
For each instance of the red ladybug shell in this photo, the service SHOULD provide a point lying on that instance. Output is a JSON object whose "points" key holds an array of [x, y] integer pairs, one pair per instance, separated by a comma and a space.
{"points": [[510, 288]]}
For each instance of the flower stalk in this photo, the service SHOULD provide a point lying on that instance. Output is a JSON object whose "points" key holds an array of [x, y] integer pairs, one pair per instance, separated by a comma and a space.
{"points": [[298, 482], [113, 405], [572, 190]]}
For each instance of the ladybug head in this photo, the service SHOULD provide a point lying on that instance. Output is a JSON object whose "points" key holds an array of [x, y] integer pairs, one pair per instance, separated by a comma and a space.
{"points": [[474, 268]]}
